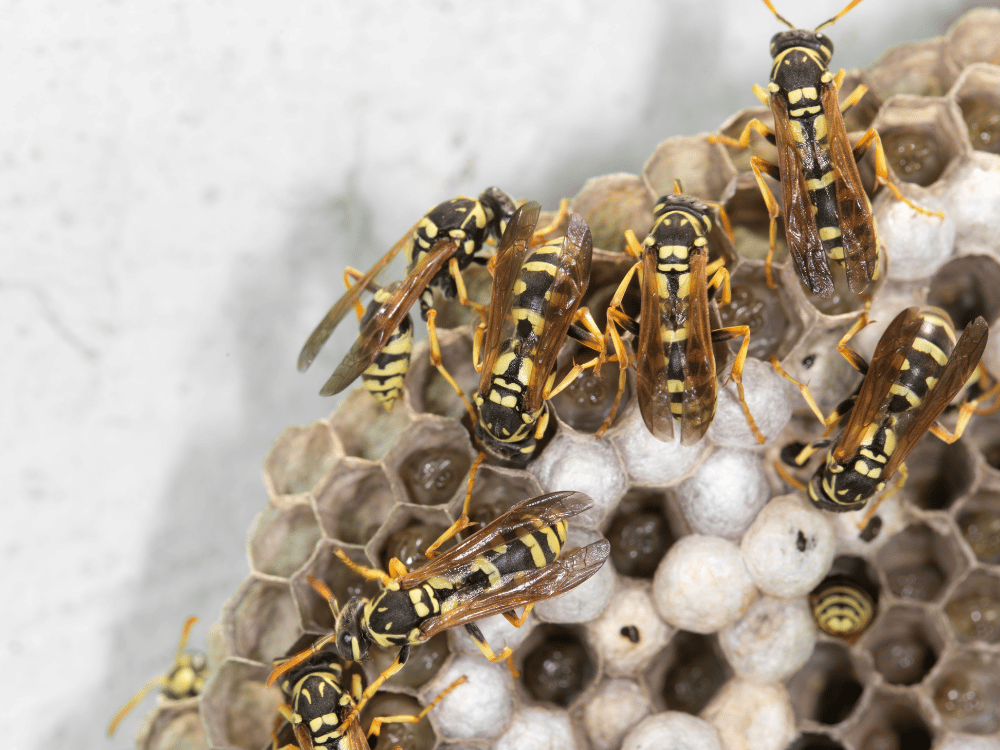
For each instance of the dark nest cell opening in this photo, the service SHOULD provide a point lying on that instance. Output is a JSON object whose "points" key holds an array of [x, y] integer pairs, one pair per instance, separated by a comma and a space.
{"points": [[966, 288], [640, 534], [893, 723], [433, 475], [755, 305], [556, 665], [973, 609], [918, 562], [904, 647], [696, 672], [827, 688]]}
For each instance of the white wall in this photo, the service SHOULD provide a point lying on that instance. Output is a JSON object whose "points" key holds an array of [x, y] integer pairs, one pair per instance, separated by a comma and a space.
{"points": [[181, 186]]}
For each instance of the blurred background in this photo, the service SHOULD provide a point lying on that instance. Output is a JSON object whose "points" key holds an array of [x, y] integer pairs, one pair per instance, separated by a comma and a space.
{"points": [[182, 186]]}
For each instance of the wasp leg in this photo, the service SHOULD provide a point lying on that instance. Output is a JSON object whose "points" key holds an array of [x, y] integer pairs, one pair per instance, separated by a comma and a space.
{"points": [[760, 167], [736, 372], [828, 421], [371, 574], [903, 476], [788, 478], [463, 295], [993, 392], [871, 138], [439, 364], [376, 685], [718, 278], [541, 235], [516, 621], [376, 725], [854, 359], [506, 654], [323, 590], [294, 661], [754, 124], [351, 277], [462, 521], [854, 97], [284, 714]]}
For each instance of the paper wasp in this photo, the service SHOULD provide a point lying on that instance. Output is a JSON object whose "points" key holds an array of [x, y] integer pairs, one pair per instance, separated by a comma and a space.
{"points": [[323, 714], [917, 369], [450, 237], [842, 608], [510, 563], [674, 359], [184, 679], [828, 215]]}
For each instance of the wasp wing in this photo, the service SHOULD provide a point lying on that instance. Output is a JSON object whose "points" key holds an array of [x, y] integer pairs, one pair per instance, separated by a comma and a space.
{"points": [[510, 255], [519, 589], [527, 515], [961, 364], [569, 283], [340, 308], [860, 242], [886, 362], [801, 232], [380, 327], [652, 382], [700, 384]]}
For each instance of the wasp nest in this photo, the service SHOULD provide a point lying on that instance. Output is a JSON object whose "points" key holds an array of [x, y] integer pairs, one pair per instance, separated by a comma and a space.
{"points": [[699, 632]]}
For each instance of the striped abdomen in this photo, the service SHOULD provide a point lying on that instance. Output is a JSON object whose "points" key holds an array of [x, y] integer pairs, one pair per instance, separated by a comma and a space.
{"points": [[925, 361], [535, 549], [383, 378], [842, 608]]}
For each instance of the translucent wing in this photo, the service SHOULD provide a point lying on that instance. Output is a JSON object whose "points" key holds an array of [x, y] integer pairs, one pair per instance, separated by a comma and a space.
{"points": [[651, 365], [510, 256], [801, 232], [570, 282], [956, 374], [341, 307], [700, 385], [379, 329], [853, 207], [521, 588], [885, 365], [525, 516]]}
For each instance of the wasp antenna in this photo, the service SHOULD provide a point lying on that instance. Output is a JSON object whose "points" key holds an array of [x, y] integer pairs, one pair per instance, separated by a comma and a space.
{"points": [[781, 17], [185, 634], [844, 12], [134, 701], [678, 186], [323, 590]]}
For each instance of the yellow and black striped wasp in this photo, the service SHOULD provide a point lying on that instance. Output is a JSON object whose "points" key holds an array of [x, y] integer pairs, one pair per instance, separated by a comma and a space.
{"points": [[184, 679], [918, 368], [674, 359], [323, 713], [512, 562], [828, 215], [842, 608], [449, 238]]}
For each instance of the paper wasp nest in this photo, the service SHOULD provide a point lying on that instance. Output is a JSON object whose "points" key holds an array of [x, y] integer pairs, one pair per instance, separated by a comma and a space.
{"points": [[702, 610]]}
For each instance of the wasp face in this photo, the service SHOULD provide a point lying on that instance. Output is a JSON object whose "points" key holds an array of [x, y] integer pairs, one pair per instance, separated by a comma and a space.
{"points": [[352, 638], [813, 40], [500, 204], [673, 202]]}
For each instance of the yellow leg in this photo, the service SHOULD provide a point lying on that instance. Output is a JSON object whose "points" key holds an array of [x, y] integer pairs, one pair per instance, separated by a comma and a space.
{"points": [[376, 725], [351, 277], [480, 639], [854, 97], [903, 476], [439, 364], [541, 235], [719, 279], [462, 521], [754, 124], [759, 166], [736, 372], [376, 685], [294, 661], [871, 138], [284, 714], [516, 621], [371, 574], [788, 478], [463, 295]]}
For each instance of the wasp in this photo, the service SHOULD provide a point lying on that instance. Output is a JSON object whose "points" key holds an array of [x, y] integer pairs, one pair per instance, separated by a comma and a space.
{"points": [[919, 366], [827, 213], [674, 359], [184, 679], [449, 238], [323, 713], [842, 608], [512, 562]]}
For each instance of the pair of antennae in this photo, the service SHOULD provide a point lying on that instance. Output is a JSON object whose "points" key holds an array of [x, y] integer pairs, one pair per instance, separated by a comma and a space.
{"points": [[823, 25]]}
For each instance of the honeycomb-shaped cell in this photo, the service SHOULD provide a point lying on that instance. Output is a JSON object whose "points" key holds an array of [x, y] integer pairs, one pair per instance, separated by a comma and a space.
{"points": [[237, 707], [428, 390], [939, 474], [966, 693], [281, 540], [433, 462], [557, 664], [977, 95], [815, 741], [172, 727], [355, 503], [892, 721], [827, 688], [640, 534], [405, 534], [588, 400], [918, 562], [419, 736], [365, 428], [704, 168], [261, 620], [344, 583], [904, 645], [975, 37], [497, 490], [922, 68], [922, 136], [973, 609], [733, 128], [979, 523], [690, 673], [965, 288], [765, 312], [750, 222], [611, 204], [300, 459]]}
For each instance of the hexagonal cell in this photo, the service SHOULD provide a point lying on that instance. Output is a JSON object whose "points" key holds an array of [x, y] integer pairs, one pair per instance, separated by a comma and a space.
{"points": [[261, 620], [640, 533], [690, 672], [238, 708], [965, 288], [966, 693], [611, 204], [365, 428], [917, 562], [497, 490], [921, 136], [983, 433], [831, 378], [418, 736], [979, 523], [892, 721], [939, 473], [904, 645], [815, 741], [355, 502], [733, 128], [424, 662], [433, 462], [478, 285], [587, 401], [281, 540], [704, 168], [556, 664], [170, 729], [429, 391], [854, 573], [314, 610], [748, 216], [975, 37], [406, 533], [300, 459], [977, 95], [763, 309], [922, 68], [827, 688], [973, 609]]}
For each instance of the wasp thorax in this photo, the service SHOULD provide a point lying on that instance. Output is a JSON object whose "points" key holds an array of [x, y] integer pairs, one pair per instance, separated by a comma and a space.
{"points": [[352, 640]]}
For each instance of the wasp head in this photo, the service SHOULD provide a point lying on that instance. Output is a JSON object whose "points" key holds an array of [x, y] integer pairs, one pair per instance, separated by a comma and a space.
{"points": [[812, 40], [352, 638]]}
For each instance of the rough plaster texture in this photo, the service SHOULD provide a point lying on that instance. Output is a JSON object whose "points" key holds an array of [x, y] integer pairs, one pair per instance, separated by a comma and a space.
{"points": [[182, 186]]}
